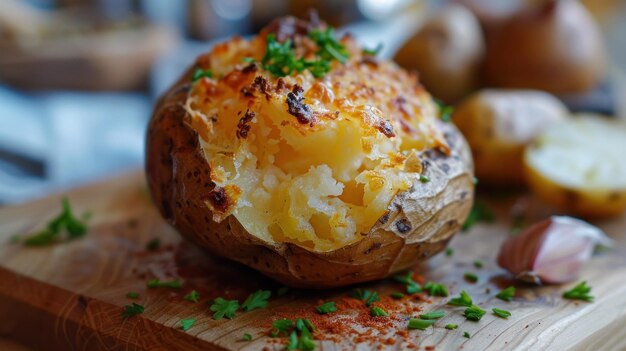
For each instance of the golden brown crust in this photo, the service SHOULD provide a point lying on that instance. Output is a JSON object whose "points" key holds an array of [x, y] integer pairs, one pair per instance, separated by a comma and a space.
{"points": [[418, 224]]}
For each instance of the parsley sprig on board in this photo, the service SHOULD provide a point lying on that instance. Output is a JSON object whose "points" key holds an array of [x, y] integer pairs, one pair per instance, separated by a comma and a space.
{"points": [[256, 300], [579, 292], [65, 222]]}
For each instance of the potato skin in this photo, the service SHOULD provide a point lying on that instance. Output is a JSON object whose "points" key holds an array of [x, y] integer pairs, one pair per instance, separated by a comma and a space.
{"points": [[498, 124], [419, 223]]}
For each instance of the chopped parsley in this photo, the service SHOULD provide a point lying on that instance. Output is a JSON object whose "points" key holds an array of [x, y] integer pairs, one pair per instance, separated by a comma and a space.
{"points": [[474, 313], [424, 179], [186, 324], [449, 252], [256, 300], [451, 326], [329, 47], [421, 324], [192, 296], [412, 287], [478, 264], [579, 292], [501, 313], [157, 283], [280, 58], [293, 341], [470, 277], [365, 295], [281, 326], [328, 307], [247, 337], [132, 295], [378, 312], [466, 335], [506, 294], [435, 289], [463, 300], [153, 244], [200, 73], [445, 111], [433, 315], [479, 213], [397, 295], [131, 310], [223, 308], [373, 52], [65, 222]]}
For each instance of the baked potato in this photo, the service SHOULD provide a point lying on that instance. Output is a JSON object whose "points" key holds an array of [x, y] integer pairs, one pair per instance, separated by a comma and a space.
{"points": [[314, 170], [579, 166], [498, 124], [447, 52]]}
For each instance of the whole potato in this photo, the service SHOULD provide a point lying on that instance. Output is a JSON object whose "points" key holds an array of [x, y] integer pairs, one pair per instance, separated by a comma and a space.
{"points": [[318, 175], [447, 52], [498, 124], [553, 46]]}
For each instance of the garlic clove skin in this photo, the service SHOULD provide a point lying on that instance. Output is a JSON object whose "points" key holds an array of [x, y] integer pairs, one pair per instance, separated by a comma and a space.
{"points": [[551, 251]]}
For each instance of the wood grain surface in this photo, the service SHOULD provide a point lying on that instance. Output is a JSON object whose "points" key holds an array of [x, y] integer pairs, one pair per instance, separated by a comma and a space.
{"points": [[69, 296]]}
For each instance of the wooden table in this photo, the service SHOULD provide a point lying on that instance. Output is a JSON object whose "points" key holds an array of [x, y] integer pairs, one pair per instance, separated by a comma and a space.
{"points": [[70, 295]]}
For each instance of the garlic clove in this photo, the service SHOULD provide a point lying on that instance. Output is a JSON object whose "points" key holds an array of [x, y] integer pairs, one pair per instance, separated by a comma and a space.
{"points": [[551, 251]]}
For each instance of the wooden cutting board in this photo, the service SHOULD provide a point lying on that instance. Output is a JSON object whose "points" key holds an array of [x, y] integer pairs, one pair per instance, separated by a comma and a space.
{"points": [[69, 296]]}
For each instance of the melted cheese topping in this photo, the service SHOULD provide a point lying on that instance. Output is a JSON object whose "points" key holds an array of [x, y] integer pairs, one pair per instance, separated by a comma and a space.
{"points": [[313, 161]]}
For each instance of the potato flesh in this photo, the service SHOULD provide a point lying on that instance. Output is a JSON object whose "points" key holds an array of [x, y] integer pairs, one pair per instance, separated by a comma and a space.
{"points": [[586, 153], [320, 185]]}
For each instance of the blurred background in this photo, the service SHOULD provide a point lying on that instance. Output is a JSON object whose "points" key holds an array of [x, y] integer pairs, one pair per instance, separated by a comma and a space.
{"points": [[78, 77]]}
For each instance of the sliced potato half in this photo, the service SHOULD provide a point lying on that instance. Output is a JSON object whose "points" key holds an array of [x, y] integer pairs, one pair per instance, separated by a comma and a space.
{"points": [[579, 166]]}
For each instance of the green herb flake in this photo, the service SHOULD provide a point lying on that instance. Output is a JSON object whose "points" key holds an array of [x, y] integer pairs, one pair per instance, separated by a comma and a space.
{"points": [[445, 111], [131, 310], [65, 222], [421, 324], [186, 324], [424, 179], [433, 315], [328, 307], [157, 283], [412, 287], [247, 337], [293, 341], [470, 277], [329, 47], [451, 326], [474, 313], [397, 295], [305, 342], [132, 295], [479, 213], [365, 295], [378, 312], [463, 300], [501, 313], [373, 52], [256, 300], [467, 335], [153, 244], [579, 292], [449, 252], [200, 73], [506, 294], [14, 239], [435, 289], [478, 264], [281, 326], [192, 296], [223, 308]]}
